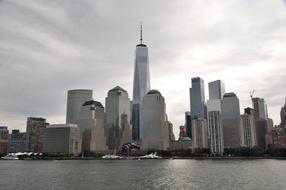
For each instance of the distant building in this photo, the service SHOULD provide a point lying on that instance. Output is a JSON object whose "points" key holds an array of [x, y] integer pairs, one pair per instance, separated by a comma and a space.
{"points": [[231, 121], [215, 126], [62, 139], [75, 99], [261, 129], [35, 130], [155, 127], [118, 118], [216, 90], [200, 138], [183, 144], [260, 108], [197, 94], [4, 134], [278, 137], [183, 132], [283, 115], [141, 85], [188, 123], [249, 129], [92, 126], [18, 142]]}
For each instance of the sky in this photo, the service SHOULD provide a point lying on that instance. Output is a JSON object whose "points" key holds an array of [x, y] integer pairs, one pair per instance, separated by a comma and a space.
{"points": [[49, 47]]}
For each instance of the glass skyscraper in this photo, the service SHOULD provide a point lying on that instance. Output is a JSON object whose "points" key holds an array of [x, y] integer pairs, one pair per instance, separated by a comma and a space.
{"points": [[141, 84], [197, 93]]}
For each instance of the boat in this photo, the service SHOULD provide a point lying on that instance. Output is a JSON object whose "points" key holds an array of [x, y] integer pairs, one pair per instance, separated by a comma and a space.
{"points": [[10, 157], [111, 157], [150, 156]]}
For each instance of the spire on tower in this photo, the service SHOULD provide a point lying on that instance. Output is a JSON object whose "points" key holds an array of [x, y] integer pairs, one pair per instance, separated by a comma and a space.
{"points": [[141, 33]]}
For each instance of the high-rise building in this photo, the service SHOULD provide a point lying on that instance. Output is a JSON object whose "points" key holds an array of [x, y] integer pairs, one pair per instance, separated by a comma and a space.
{"points": [[92, 127], [216, 90], [197, 94], [155, 127], [75, 99], [117, 107], [215, 126], [283, 115], [200, 138], [248, 128], [260, 108], [4, 134], [35, 129], [261, 130], [231, 121], [188, 123], [141, 84], [18, 142], [62, 139]]}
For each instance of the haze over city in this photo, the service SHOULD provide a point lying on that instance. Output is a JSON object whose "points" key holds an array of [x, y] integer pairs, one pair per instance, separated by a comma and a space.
{"points": [[49, 47]]}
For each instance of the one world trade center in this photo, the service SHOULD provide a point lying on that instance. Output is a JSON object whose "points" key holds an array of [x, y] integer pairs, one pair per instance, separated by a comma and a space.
{"points": [[141, 84]]}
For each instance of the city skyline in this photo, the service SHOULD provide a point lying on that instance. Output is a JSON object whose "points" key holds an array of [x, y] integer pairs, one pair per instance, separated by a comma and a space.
{"points": [[52, 54]]}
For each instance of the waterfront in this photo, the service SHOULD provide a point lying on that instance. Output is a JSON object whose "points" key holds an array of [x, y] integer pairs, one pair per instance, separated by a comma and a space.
{"points": [[143, 174]]}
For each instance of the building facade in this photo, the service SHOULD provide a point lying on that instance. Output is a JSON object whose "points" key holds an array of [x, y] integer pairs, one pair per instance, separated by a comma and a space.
{"points": [[118, 107], [18, 142], [62, 139], [35, 130], [75, 100], [141, 85], [155, 127], [200, 138], [283, 115], [197, 94], [188, 123], [92, 127], [4, 134], [231, 121], [260, 108], [249, 129], [216, 90]]}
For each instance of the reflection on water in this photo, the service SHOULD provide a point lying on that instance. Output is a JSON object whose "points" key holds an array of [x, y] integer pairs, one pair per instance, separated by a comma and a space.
{"points": [[143, 174]]}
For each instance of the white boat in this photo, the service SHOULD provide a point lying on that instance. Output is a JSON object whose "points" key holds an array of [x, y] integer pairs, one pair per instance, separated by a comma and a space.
{"points": [[10, 157], [111, 156], [151, 156]]}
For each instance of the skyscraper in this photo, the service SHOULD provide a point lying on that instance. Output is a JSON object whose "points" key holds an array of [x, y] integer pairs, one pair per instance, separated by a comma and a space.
{"points": [[75, 99], [188, 124], [4, 134], [248, 128], [216, 90], [283, 115], [231, 121], [155, 127], [141, 84], [117, 107], [260, 108], [199, 131], [197, 93]]}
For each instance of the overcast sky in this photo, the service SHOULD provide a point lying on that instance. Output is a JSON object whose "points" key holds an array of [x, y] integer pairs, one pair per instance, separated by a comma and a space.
{"points": [[48, 47]]}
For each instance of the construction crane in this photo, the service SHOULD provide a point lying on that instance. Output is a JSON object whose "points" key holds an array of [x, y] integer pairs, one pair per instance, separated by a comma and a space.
{"points": [[251, 94]]}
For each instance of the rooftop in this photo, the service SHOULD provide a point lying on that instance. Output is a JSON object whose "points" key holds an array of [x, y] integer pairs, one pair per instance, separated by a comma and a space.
{"points": [[154, 92], [92, 102], [229, 94], [117, 88]]}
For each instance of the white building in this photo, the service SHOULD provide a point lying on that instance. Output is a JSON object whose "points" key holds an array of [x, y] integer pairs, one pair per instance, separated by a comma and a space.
{"points": [[215, 126], [155, 127], [118, 118], [75, 99], [248, 128], [199, 131], [91, 124], [62, 139]]}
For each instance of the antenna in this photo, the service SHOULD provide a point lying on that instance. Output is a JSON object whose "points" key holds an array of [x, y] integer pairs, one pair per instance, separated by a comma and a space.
{"points": [[141, 33]]}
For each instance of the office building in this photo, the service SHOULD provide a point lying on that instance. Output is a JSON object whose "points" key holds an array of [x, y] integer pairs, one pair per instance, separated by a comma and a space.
{"points": [[188, 123], [216, 90], [155, 127], [117, 107], [141, 85], [18, 142], [92, 127], [35, 131], [215, 126], [260, 108], [75, 100], [231, 121], [62, 139], [283, 115], [248, 128], [197, 94], [200, 138], [4, 133]]}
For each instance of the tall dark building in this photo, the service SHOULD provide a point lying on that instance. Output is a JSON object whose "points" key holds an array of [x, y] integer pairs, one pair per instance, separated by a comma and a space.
{"points": [[283, 115], [197, 93], [188, 123]]}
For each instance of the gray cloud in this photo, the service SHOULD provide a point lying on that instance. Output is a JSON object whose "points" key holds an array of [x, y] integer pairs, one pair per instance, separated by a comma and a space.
{"points": [[48, 47]]}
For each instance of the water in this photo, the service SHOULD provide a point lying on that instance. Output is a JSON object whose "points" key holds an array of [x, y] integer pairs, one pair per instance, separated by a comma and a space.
{"points": [[143, 174]]}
